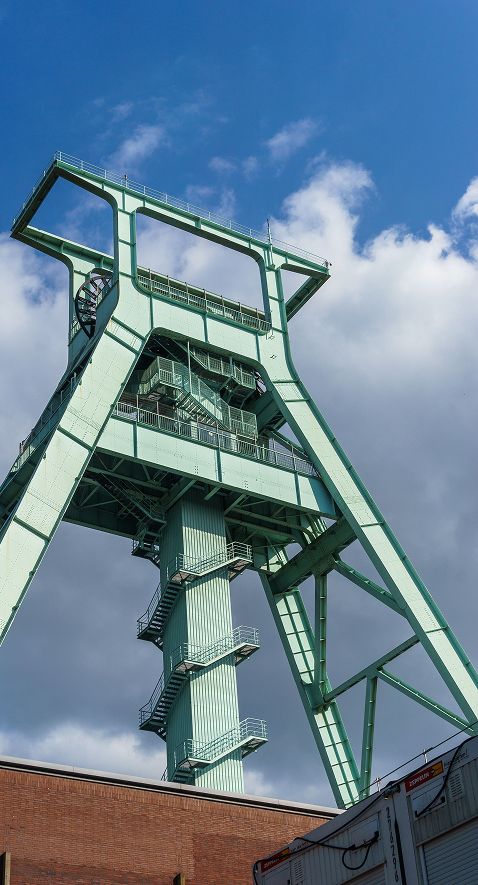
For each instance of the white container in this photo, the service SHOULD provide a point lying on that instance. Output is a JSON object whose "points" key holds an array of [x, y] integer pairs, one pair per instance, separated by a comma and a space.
{"points": [[420, 830]]}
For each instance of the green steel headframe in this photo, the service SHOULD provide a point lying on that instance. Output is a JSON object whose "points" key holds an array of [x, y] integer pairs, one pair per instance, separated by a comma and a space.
{"points": [[166, 427]]}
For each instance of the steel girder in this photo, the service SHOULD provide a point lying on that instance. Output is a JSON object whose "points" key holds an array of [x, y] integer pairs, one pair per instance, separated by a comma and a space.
{"points": [[36, 500]]}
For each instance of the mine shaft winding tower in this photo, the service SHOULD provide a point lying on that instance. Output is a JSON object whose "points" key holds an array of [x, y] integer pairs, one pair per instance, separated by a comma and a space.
{"points": [[173, 426]]}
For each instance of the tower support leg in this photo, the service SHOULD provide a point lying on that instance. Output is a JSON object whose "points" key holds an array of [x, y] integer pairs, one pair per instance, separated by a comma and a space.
{"points": [[406, 589], [26, 536], [325, 721]]}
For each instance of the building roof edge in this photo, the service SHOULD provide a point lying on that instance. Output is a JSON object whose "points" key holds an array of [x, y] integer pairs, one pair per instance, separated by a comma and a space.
{"points": [[133, 782]]}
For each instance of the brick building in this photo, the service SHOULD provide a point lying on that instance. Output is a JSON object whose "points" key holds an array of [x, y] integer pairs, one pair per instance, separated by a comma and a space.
{"points": [[65, 826]]}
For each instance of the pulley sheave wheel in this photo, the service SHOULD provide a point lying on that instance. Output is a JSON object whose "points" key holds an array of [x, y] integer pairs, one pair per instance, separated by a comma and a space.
{"points": [[87, 299]]}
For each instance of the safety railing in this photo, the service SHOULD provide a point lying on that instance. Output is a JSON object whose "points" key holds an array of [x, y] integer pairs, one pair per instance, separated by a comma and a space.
{"points": [[148, 709], [206, 653], [145, 619], [207, 302], [228, 368], [182, 563], [193, 751], [174, 374], [46, 422], [221, 439], [195, 654], [175, 202]]}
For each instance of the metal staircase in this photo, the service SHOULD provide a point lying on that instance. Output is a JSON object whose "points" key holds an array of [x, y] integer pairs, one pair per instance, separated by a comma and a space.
{"points": [[227, 368], [151, 624], [249, 735], [235, 557], [134, 502], [32, 448], [242, 642], [88, 298], [153, 716], [145, 546], [186, 659], [47, 422], [217, 370], [196, 398]]}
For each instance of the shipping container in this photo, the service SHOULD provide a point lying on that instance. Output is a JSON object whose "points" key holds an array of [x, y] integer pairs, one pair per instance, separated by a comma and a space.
{"points": [[419, 830]]}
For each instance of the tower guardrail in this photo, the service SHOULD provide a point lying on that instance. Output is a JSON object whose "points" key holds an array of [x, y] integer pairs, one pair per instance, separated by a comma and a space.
{"points": [[216, 438], [247, 736], [169, 200]]}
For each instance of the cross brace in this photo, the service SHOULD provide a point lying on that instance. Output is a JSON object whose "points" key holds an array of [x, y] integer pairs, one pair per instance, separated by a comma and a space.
{"points": [[33, 506]]}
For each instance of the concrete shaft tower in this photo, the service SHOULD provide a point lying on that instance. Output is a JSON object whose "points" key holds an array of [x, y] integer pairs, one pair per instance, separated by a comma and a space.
{"points": [[167, 428]]}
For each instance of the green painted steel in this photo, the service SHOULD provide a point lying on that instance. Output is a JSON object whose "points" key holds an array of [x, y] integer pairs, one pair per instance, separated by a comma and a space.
{"points": [[166, 428], [201, 615]]}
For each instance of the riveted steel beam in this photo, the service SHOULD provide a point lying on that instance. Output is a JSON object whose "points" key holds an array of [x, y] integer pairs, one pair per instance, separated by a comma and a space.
{"points": [[433, 706], [368, 735], [317, 558], [44, 483], [368, 585], [372, 670], [326, 723]]}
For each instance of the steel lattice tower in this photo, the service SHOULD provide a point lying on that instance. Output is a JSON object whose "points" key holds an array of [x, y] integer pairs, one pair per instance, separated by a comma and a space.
{"points": [[166, 428]]}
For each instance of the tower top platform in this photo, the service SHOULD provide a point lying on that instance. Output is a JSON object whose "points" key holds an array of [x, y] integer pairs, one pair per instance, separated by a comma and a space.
{"points": [[98, 174]]}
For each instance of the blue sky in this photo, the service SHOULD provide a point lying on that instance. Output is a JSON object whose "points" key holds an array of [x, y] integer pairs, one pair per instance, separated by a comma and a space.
{"points": [[352, 126], [391, 86]]}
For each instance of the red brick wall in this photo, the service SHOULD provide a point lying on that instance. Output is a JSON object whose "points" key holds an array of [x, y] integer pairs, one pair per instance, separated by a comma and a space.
{"points": [[67, 831]]}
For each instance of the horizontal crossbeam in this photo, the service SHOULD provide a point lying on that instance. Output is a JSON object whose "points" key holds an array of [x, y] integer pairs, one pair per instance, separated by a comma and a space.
{"points": [[317, 558], [303, 293]]}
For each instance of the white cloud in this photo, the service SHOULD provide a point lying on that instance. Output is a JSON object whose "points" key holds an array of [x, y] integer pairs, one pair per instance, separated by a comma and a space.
{"points": [[222, 165], [250, 167], [33, 339], [199, 194], [143, 141], [122, 110], [226, 206], [410, 300], [74, 744], [388, 350], [467, 206], [291, 138], [256, 783], [321, 216]]}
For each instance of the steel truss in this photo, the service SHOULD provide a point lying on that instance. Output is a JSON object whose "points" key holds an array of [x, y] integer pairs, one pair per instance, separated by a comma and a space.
{"points": [[89, 462]]}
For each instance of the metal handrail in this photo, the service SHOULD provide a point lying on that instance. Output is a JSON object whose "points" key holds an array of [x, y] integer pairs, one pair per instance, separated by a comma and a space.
{"points": [[220, 366], [147, 710], [207, 303], [206, 752], [144, 620], [220, 439], [175, 374], [203, 654], [44, 424], [183, 562], [175, 202]]}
